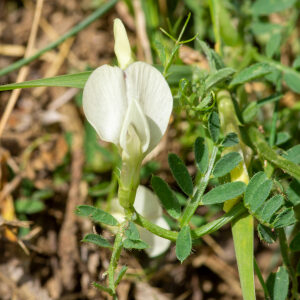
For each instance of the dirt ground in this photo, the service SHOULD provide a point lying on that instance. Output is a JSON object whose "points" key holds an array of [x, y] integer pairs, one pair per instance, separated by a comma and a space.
{"points": [[48, 261]]}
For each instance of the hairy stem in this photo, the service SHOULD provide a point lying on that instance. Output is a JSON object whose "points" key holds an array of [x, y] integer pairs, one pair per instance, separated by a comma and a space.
{"points": [[194, 202], [266, 152], [284, 249]]}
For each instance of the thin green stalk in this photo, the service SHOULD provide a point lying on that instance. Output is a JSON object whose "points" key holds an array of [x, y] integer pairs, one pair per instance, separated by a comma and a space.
{"points": [[277, 65], [208, 228], [284, 249], [215, 13], [266, 152], [117, 248], [273, 127], [176, 47], [77, 28], [213, 226], [194, 202], [261, 280]]}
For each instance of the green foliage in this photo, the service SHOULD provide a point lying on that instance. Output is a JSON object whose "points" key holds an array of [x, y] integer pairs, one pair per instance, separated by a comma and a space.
{"points": [[134, 244], [293, 192], [184, 243], [285, 218], [214, 126], [120, 275], [266, 7], [28, 206], [96, 214], [292, 80], [257, 191], [133, 240], [278, 284], [255, 71], [220, 76], [266, 234], [181, 174], [293, 154], [166, 196], [273, 45], [230, 140], [224, 192], [78, 80], [132, 232], [33, 203], [201, 154], [97, 240], [267, 210], [226, 163], [282, 137], [295, 243]]}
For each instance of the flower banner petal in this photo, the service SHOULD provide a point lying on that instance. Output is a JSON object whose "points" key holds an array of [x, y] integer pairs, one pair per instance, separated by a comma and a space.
{"points": [[149, 87], [105, 103]]}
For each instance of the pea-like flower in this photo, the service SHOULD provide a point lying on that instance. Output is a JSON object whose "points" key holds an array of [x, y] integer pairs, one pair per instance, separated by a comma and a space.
{"points": [[146, 204], [128, 106]]}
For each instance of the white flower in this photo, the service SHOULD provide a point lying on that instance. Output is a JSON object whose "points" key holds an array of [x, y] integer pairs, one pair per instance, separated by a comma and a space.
{"points": [[128, 107], [146, 204]]}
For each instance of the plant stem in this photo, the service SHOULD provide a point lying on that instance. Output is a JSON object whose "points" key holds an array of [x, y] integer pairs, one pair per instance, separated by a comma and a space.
{"points": [[215, 13], [266, 152], [117, 248], [213, 226], [284, 249], [273, 127], [77, 28], [261, 280], [208, 228], [194, 202]]}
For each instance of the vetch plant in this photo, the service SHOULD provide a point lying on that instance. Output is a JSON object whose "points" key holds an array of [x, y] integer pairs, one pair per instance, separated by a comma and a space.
{"points": [[244, 167], [129, 106]]}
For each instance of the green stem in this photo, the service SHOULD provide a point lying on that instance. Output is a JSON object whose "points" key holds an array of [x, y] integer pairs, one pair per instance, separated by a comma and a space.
{"points": [[90, 19], [261, 280], [213, 226], [208, 228], [277, 65], [117, 248], [273, 127], [284, 249], [176, 47], [214, 12], [266, 152], [194, 202]]}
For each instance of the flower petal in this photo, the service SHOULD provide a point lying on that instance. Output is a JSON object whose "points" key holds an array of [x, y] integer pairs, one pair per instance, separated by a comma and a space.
{"points": [[148, 86], [147, 204], [105, 102], [135, 118], [157, 245], [122, 46]]}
